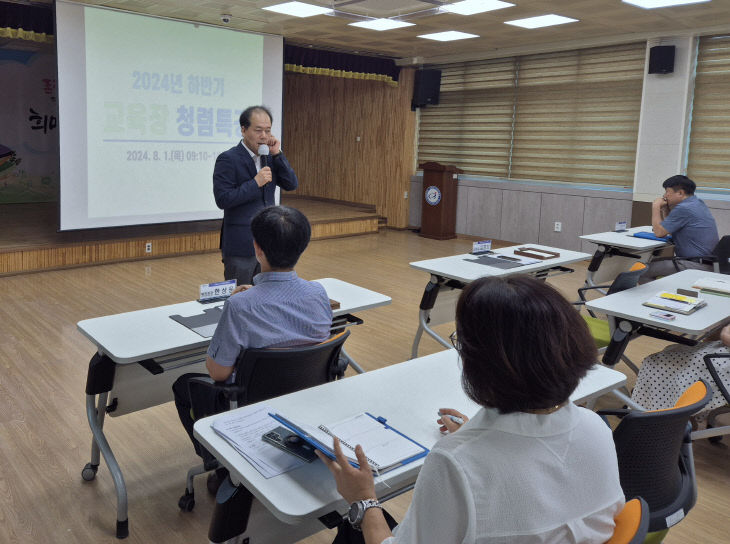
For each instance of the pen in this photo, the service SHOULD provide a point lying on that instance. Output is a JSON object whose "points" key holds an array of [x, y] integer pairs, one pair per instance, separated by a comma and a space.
{"points": [[455, 419]]}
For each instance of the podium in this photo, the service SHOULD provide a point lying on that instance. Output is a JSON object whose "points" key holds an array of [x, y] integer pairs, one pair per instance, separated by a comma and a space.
{"points": [[438, 207]]}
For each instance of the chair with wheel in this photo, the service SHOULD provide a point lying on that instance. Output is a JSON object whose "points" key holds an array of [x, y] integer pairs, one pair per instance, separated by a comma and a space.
{"points": [[632, 523], [721, 255], [654, 450], [718, 364], [599, 328], [266, 373]]}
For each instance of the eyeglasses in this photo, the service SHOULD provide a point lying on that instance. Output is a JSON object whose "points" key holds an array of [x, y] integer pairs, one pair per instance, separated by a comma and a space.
{"points": [[455, 341]]}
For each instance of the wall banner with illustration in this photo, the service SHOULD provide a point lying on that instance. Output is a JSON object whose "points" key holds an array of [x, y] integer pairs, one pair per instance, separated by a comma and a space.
{"points": [[28, 124]]}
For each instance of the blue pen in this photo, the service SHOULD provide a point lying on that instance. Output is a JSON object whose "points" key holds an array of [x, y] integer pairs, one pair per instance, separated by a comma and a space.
{"points": [[455, 419]]}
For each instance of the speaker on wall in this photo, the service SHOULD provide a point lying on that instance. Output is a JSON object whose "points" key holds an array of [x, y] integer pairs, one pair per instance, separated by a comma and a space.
{"points": [[426, 88], [661, 59]]}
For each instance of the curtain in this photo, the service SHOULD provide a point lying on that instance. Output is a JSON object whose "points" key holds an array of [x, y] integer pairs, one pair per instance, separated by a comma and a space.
{"points": [[305, 60]]}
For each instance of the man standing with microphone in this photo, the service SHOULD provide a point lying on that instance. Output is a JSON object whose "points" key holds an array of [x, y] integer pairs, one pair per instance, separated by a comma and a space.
{"points": [[244, 181]]}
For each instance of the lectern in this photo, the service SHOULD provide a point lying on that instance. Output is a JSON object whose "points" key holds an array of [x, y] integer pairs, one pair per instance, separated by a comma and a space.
{"points": [[438, 207]]}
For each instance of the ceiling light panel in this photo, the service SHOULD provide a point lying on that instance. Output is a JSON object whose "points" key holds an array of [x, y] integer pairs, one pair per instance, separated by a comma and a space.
{"points": [[541, 21], [298, 9], [448, 36], [472, 7], [381, 24], [651, 4]]}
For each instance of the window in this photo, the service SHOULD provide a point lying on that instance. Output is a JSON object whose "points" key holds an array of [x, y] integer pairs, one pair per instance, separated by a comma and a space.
{"points": [[708, 161], [568, 116]]}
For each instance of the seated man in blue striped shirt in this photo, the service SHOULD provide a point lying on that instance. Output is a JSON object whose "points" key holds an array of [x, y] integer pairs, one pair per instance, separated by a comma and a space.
{"points": [[688, 219], [278, 310]]}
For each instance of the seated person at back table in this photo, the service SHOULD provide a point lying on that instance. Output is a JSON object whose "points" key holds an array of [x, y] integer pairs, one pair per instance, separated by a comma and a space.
{"points": [[530, 466], [688, 219], [279, 310]]}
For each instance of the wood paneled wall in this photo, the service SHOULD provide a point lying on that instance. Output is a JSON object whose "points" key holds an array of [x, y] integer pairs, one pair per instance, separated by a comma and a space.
{"points": [[323, 118]]}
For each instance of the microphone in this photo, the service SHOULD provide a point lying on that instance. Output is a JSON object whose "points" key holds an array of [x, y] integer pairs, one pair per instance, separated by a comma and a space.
{"points": [[264, 155]]}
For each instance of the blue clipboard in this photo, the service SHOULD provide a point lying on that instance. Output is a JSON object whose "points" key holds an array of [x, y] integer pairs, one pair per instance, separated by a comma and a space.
{"points": [[327, 450], [651, 236]]}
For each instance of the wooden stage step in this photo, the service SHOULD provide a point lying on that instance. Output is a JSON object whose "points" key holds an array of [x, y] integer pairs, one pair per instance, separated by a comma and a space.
{"points": [[29, 241]]}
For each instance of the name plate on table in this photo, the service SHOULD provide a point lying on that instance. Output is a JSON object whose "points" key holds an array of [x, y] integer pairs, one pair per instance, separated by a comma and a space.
{"points": [[482, 247], [621, 226], [212, 292]]}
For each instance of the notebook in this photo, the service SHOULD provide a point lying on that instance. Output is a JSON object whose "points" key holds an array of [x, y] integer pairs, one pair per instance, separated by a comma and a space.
{"points": [[385, 447], [713, 286], [673, 302]]}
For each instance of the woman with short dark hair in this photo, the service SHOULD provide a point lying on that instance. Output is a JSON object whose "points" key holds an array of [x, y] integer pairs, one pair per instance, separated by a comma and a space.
{"points": [[530, 466]]}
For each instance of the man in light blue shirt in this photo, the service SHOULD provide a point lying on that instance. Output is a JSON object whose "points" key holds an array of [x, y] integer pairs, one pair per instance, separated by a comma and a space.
{"points": [[688, 219], [278, 310]]}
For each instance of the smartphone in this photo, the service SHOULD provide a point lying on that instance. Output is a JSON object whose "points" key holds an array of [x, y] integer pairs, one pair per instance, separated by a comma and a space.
{"points": [[663, 315], [286, 440]]}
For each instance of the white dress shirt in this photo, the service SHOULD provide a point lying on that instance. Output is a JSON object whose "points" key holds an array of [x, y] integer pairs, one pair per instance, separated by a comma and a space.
{"points": [[519, 478], [254, 156]]}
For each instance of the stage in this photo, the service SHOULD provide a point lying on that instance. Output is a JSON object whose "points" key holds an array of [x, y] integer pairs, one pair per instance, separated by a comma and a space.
{"points": [[30, 240]]}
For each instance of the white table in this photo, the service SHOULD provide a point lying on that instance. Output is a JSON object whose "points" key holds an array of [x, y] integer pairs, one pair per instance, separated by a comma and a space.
{"points": [[287, 507], [450, 274], [627, 306], [621, 248], [629, 318], [139, 356]]}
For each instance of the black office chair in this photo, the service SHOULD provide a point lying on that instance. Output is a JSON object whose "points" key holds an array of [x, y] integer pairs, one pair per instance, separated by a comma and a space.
{"points": [[265, 373], [599, 328], [655, 462], [721, 255], [719, 258], [714, 432]]}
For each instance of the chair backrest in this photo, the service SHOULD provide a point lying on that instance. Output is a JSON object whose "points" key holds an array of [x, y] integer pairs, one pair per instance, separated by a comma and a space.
{"points": [[632, 523], [722, 254], [651, 460], [627, 280], [270, 372], [715, 374]]}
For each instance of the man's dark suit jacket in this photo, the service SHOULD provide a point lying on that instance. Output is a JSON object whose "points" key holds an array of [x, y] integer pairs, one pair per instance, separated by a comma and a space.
{"points": [[238, 195]]}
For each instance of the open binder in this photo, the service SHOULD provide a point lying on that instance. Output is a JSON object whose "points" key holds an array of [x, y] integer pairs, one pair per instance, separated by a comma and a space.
{"points": [[386, 448]]}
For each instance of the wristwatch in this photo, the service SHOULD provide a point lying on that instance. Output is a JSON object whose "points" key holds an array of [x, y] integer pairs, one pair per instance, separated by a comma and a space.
{"points": [[358, 509]]}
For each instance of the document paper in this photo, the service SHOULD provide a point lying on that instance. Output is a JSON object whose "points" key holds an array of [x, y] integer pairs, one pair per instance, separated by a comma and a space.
{"points": [[243, 429]]}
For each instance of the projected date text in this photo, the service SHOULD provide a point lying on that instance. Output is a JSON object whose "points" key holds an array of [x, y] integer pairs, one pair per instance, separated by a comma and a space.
{"points": [[171, 155]]}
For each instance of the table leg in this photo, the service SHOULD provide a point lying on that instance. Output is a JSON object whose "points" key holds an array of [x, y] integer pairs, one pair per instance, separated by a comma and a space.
{"points": [[627, 400], [423, 316], [95, 423], [595, 265], [428, 301], [89, 472], [99, 381], [351, 361]]}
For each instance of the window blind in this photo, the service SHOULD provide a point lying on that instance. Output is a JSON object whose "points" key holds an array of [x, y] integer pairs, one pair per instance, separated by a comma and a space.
{"points": [[567, 116], [708, 161], [472, 125]]}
